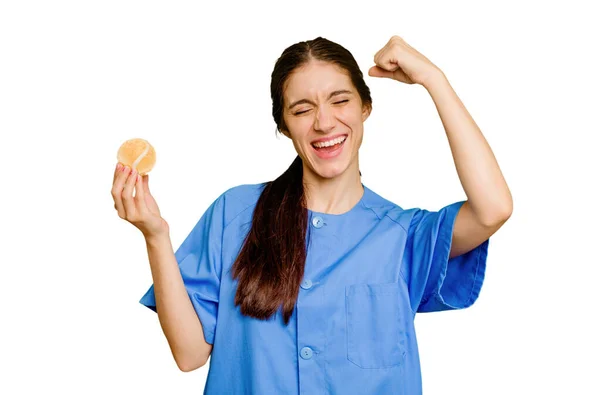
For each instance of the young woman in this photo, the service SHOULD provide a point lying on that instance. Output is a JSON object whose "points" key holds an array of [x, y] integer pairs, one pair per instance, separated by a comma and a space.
{"points": [[310, 283]]}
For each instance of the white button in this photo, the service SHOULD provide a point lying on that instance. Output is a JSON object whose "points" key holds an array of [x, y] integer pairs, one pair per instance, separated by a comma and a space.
{"points": [[317, 222], [306, 353], [306, 284]]}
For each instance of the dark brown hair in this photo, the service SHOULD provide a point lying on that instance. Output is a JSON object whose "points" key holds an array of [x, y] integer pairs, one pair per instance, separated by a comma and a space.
{"points": [[270, 266]]}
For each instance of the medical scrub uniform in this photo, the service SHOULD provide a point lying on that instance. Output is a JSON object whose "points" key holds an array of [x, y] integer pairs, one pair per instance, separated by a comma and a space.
{"points": [[368, 272]]}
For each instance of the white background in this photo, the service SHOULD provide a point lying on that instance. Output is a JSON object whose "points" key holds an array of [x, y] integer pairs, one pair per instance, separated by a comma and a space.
{"points": [[77, 78]]}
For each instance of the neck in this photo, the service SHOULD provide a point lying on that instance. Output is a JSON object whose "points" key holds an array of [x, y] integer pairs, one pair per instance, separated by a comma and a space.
{"points": [[336, 195]]}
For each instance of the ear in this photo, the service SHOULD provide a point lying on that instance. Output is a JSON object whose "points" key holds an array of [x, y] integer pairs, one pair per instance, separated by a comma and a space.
{"points": [[285, 132], [366, 112]]}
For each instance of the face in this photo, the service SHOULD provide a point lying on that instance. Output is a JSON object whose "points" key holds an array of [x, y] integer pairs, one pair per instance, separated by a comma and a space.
{"points": [[324, 115]]}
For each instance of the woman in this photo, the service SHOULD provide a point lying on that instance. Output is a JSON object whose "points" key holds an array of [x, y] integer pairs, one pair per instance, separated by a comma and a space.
{"points": [[310, 283]]}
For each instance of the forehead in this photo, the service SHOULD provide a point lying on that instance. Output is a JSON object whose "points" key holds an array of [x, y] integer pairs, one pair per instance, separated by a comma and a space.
{"points": [[315, 79]]}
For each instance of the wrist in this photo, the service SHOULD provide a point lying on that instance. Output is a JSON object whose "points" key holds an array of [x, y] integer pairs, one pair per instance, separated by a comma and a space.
{"points": [[434, 79], [156, 239]]}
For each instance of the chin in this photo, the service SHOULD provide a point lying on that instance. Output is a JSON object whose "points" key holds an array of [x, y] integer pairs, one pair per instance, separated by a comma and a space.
{"points": [[330, 171]]}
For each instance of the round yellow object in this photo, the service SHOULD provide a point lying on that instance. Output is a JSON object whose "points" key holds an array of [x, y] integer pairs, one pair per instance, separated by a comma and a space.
{"points": [[138, 154]]}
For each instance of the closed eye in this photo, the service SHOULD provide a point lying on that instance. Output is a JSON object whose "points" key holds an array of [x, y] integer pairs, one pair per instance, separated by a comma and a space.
{"points": [[337, 102]]}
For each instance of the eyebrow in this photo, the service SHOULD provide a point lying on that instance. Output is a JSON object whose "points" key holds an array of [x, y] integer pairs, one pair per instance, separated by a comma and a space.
{"points": [[332, 94]]}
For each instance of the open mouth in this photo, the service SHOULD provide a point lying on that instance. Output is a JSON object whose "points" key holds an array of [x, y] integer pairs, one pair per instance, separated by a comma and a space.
{"points": [[329, 146]]}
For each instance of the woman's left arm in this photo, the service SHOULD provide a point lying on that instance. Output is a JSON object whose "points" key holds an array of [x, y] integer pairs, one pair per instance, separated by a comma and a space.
{"points": [[489, 201]]}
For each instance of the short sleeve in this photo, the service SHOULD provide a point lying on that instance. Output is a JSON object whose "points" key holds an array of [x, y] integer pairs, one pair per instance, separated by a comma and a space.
{"points": [[436, 282], [199, 260]]}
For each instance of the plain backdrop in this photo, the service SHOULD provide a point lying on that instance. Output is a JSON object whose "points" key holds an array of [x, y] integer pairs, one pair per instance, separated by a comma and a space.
{"points": [[77, 78]]}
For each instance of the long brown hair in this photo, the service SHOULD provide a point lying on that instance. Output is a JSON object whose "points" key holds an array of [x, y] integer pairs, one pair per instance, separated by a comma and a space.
{"points": [[270, 266]]}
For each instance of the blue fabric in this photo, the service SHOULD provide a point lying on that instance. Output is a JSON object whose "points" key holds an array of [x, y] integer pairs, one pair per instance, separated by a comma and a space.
{"points": [[368, 272]]}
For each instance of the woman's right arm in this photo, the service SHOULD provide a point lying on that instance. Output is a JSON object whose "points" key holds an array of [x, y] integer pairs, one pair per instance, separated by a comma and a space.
{"points": [[177, 316], [178, 319]]}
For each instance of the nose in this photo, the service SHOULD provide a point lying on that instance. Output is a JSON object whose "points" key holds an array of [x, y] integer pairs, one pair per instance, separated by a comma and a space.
{"points": [[324, 119]]}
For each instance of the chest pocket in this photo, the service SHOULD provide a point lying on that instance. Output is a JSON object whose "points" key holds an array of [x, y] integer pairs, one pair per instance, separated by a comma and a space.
{"points": [[375, 337]]}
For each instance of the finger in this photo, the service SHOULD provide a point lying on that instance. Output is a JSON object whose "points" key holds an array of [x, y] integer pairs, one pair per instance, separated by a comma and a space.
{"points": [[117, 190], [377, 56], [383, 53], [121, 175], [118, 168], [127, 195], [377, 71], [140, 195], [145, 183], [401, 76], [389, 64]]}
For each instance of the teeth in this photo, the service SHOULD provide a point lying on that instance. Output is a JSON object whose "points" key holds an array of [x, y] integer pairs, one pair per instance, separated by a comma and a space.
{"points": [[330, 142]]}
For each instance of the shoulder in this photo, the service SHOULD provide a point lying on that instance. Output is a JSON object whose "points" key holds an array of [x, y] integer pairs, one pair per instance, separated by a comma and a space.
{"points": [[386, 209], [238, 200]]}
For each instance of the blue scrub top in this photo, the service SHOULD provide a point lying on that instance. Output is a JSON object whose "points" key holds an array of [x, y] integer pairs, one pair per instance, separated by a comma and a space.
{"points": [[368, 272]]}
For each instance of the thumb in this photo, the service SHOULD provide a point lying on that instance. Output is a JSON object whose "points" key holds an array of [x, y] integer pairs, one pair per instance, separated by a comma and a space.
{"points": [[377, 71]]}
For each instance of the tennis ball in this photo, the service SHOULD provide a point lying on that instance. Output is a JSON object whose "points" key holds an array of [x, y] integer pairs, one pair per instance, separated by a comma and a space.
{"points": [[138, 154]]}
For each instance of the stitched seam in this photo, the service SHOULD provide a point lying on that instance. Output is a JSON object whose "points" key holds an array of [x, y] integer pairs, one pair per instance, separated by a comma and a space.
{"points": [[238, 214], [478, 260], [396, 222], [403, 276]]}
